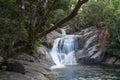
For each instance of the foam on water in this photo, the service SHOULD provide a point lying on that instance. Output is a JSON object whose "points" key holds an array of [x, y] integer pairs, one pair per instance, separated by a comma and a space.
{"points": [[63, 51]]}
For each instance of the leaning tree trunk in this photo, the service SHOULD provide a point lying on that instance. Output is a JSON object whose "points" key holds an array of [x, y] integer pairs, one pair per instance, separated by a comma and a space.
{"points": [[34, 31], [66, 19]]}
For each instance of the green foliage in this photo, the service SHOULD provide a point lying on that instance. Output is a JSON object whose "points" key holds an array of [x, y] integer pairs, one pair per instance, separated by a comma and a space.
{"points": [[23, 35], [106, 12], [8, 23], [9, 19], [57, 15], [1, 60], [35, 46], [91, 14], [112, 21], [3, 78]]}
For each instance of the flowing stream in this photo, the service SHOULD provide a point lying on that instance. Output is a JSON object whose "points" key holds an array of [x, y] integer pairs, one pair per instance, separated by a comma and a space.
{"points": [[66, 68], [85, 72], [63, 51]]}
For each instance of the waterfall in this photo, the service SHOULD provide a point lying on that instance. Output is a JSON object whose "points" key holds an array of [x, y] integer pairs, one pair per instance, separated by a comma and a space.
{"points": [[63, 50], [63, 31]]}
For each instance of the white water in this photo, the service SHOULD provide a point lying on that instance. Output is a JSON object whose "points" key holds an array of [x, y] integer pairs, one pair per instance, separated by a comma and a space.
{"points": [[63, 51], [54, 52], [63, 31]]}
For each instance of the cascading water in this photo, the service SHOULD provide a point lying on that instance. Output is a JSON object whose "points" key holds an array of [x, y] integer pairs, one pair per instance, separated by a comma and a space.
{"points": [[89, 52], [63, 32], [63, 51]]}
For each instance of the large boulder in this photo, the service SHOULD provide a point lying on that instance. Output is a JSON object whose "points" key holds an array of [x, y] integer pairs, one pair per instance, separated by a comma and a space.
{"points": [[25, 57], [16, 76], [109, 60], [94, 41], [51, 37], [42, 53], [88, 44], [15, 66], [22, 68], [37, 76], [117, 62]]}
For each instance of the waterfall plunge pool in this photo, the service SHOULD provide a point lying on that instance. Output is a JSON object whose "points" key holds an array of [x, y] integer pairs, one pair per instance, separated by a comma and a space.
{"points": [[85, 72], [63, 53]]}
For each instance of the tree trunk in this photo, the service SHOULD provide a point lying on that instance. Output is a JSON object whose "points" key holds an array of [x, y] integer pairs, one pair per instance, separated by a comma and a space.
{"points": [[34, 32], [17, 31], [60, 23]]}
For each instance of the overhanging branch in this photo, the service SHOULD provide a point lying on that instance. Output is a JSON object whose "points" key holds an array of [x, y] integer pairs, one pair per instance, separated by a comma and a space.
{"points": [[60, 23], [48, 10]]}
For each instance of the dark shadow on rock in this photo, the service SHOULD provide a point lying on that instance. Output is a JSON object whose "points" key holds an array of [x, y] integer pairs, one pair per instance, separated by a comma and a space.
{"points": [[15, 66]]}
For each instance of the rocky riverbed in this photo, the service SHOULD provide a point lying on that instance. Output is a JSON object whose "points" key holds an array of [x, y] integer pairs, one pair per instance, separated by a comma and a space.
{"points": [[26, 67], [36, 67]]}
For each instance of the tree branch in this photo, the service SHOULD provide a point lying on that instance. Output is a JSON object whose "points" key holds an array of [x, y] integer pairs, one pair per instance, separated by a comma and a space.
{"points": [[48, 10], [17, 31], [60, 23], [33, 20]]}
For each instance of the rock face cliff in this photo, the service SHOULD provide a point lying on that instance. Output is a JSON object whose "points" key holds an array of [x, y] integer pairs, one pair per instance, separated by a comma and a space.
{"points": [[93, 51], [91, 46]]}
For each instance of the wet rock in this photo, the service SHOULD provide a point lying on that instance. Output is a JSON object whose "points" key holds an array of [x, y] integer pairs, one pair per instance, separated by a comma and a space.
{"points": [[36, 70], [51, 37], [94, 42], [70, 29], [16, 76], [36, 76], [42, 52], [87, 61], [15, 66], [97, 56], [109, 60], [117, 62], [33, 67], [21, 68], [26, 57]]}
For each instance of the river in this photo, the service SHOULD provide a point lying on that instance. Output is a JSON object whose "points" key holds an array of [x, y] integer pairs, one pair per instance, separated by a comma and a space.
{"points": [[86, 72]]}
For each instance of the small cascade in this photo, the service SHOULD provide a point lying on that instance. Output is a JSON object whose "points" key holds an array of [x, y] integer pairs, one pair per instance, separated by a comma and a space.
{"points": [[54, 52], [63, 51], [63, 31]]}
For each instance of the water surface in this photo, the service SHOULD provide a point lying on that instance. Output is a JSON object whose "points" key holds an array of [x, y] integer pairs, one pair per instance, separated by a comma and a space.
{"points": [[86, 72]]}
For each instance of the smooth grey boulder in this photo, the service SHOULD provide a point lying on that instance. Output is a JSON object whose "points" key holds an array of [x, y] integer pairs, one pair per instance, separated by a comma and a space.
{"points": [[16, 76]]}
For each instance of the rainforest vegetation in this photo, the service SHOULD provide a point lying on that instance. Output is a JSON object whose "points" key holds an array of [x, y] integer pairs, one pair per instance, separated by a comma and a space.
{"points": [[23, 23]]}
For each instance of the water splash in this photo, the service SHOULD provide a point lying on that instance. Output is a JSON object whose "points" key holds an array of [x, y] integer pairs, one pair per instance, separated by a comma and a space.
{"points": [[63, 51], [63, 31], [54, 52]]}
